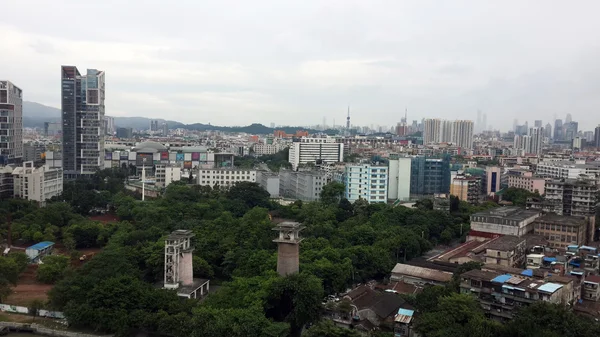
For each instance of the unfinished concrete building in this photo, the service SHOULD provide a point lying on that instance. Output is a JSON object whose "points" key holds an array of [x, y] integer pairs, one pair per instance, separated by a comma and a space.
{"points": [[179, 270], [288, 247]]}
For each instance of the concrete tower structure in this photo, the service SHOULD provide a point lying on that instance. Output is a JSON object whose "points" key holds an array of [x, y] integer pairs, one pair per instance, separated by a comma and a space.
{"points": [[288, 247], [348, 120], [179, 271], [82, 121], [11, 123]]}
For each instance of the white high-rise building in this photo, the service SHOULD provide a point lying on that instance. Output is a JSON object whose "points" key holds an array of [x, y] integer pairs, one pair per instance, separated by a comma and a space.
{"points": [[399, 179], [537, 135], [463, 134], [315, 150], [432, 129], [447, 130], [11, 123]]}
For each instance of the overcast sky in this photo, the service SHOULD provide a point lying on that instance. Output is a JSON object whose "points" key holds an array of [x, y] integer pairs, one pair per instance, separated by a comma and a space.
{"points": [[296, 62]]}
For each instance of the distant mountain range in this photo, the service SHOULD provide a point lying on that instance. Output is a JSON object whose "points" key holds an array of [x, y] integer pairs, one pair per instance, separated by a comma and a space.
{"points": [[35, 115]]}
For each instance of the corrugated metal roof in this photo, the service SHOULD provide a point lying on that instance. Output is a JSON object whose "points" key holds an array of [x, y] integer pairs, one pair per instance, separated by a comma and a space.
{"points": [[502, 278], [406, 312], [41, 245], [424, 273], [527, 272], [550, 287]]}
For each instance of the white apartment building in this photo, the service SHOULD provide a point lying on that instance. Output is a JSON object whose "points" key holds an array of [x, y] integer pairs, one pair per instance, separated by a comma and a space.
{"points": [[399, 179], [315, 150], [37, 184], [567, 170], [224, 177], [166, 174], [266, 149], [366, 181], [270, 182], [302, 185]]}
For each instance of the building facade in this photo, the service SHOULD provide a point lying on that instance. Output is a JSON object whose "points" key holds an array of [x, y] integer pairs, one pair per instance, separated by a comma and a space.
{"points": [[266, 149], [270, 182], [466, 188], [562, 231], [37, 184], [83, 121], [504, 221], [399, 179], [11, 123], [366, 181], [525, 180], [430, 175], [166, 174], [493, 179], [302, 185], [576, 197], [315, 150], [224, 177]]}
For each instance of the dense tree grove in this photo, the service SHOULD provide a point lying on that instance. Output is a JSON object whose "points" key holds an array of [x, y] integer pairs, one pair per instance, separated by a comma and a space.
{"points": [[518, 196], [345, 243]]}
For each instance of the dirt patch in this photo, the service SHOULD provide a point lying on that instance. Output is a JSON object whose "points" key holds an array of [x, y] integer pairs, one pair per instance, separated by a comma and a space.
{"points": [[104, 218], [28, 289]]}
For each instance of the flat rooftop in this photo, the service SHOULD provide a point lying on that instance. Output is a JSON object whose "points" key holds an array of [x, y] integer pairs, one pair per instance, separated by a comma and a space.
{"points": [[508, 213], [562, 220], [505, 243]]}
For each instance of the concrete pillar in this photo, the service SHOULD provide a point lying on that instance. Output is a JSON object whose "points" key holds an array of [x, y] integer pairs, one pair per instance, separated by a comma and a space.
{"points": [[288, 258], [186, 269]]}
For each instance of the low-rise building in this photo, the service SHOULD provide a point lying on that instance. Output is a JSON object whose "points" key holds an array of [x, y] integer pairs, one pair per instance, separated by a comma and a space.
{"points": [[37, 183], [266, 149], [419, 275], [506, 251], [504, 221], [39, 250], [166, 174], [562, 231], [224, 177], [591, 288], [500, 294], [302, 185]]}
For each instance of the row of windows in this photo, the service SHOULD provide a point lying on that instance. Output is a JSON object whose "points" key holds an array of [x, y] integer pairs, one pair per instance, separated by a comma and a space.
{"points": [[560, 228], [225, 177], [225, 172]]}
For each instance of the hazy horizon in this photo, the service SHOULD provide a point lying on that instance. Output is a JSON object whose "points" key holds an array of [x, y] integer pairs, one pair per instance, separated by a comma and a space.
{"points": [[297, 62]]}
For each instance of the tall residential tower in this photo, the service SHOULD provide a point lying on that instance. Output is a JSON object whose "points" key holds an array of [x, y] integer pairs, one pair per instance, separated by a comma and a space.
{"points": [[82, 121], [11, 123]]}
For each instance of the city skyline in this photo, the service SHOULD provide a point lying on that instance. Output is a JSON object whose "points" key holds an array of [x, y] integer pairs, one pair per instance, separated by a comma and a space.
{"points": [[320, 58]]}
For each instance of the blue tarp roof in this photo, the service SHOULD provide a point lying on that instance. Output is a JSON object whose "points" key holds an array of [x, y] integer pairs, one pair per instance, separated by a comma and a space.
{"points": [[41, 245], [406, 312], [549, 259], [550, 287], [527, 272], [502, 278]]}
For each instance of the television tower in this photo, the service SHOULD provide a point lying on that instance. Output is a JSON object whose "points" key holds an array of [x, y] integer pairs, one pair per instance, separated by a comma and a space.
{"points": [[348, 119]]}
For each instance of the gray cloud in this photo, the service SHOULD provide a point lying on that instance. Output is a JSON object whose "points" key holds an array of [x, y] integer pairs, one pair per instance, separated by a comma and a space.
{"points": [[294, 62]]}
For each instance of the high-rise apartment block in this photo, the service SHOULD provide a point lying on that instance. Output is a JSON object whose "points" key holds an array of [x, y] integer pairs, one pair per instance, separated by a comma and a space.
{"points": [[597, 137], [11, 123], [83, 121], [466, 188], [537, 135], [459, 132]]}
